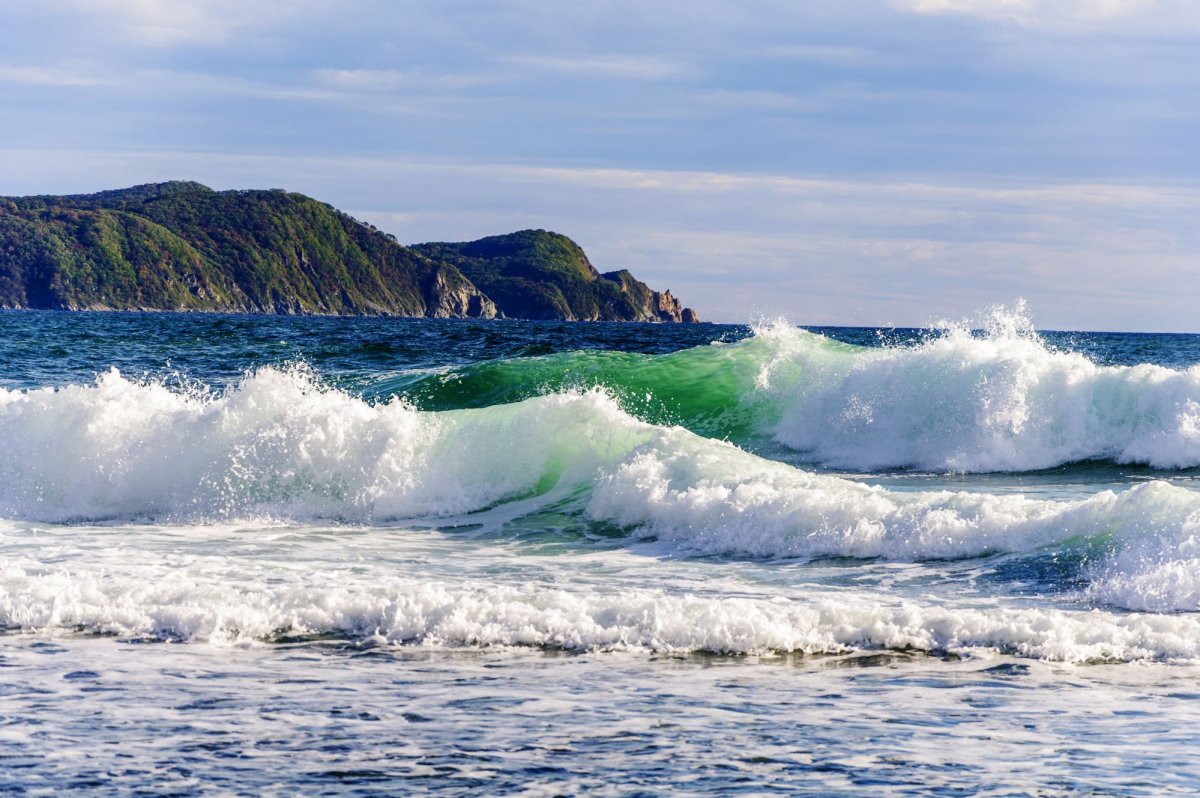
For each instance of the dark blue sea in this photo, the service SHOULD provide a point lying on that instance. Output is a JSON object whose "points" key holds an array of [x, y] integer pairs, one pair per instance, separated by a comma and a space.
{"points": [[251, 555]]}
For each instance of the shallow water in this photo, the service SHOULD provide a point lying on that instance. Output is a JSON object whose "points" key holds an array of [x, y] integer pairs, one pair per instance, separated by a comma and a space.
{"points": [[263, 555], [128, 718]]}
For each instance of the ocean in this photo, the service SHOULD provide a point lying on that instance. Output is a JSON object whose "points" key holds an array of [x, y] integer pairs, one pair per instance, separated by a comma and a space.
{"points": [[253, 555]]}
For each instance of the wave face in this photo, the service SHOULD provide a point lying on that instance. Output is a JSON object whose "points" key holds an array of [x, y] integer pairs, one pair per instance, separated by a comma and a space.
{"points": [[710, 389], [279, 445], [958, 401]]}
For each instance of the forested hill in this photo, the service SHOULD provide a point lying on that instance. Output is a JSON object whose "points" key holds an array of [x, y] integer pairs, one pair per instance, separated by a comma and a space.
{"points": [[183, 246], [535, 274]]}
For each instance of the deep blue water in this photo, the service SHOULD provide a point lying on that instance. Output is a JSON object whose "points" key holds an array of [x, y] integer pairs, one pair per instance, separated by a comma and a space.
{"points": [[54, 348]]}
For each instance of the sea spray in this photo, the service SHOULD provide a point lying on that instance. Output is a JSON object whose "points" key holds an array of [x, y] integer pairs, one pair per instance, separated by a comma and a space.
{"points": [[280, 444], [999, 400]]}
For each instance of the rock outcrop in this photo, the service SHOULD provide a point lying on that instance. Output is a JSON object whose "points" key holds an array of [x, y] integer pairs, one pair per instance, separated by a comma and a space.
{"points": [[456, 297]]}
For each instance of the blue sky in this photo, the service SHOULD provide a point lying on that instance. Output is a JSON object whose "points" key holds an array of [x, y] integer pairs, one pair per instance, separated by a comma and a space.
{"points": [[852, 162]]}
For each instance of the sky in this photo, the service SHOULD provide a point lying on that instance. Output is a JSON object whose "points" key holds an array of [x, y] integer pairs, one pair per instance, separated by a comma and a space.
{"points": [[854, 162]]}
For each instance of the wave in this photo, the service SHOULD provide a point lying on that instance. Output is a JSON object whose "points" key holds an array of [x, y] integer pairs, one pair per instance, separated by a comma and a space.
{"points": [[957, 401], [439, 614], [1137, 549], [1003, 401], [708, 389], [281, 445]]}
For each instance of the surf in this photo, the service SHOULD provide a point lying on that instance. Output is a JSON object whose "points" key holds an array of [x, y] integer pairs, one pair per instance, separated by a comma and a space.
{"points": [[283, 446], [202, 602], [966, 397]]}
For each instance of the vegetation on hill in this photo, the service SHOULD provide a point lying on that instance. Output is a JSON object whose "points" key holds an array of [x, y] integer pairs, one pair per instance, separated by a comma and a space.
{"points": [[536, 274], [183, 246]]}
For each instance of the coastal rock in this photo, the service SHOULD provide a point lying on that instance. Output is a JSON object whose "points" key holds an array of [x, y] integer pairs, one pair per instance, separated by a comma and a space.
{"points": [[667, 308], [650, 305], [450, 295]]}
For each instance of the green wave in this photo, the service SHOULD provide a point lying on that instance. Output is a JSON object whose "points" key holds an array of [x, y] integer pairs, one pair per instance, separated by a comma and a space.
{"points": [[711, 390]]}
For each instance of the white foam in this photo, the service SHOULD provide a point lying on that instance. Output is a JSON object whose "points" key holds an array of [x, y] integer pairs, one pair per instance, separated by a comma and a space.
{"points": [[1003, 401], [717, 499], [205, 608], [1155, 564], [1141, 544], [280, 444]]}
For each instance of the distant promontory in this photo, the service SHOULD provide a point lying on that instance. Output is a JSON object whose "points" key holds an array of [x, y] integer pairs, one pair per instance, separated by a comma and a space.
{"points": [[183, 246]]}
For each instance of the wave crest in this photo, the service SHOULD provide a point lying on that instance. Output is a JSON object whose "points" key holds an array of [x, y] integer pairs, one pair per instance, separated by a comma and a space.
{"points": [[965, 400], [280, 444]]}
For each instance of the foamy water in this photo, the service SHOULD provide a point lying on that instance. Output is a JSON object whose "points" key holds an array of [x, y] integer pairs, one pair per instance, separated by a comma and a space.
{"points": [[1003, 401]]}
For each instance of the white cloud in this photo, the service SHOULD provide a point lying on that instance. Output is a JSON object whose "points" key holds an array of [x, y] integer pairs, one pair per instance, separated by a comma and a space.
{"points": [[834, 55], [1014, 193], [736, 246], [984, 91], [173, 22], [624, 67], [166, 82], [1164, 15], [47, 76], [388, 80], [756, 100]]}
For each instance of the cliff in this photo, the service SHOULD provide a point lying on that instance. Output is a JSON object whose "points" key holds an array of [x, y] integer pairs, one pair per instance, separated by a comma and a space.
{"points": [[183, 246]]}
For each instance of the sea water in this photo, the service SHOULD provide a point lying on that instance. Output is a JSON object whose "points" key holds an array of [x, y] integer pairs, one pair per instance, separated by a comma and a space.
{"points": [[276, 556]]}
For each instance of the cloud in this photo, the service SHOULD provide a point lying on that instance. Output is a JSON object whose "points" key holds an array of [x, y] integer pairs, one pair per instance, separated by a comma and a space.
{"points": [[47, 76], [166, 23], [621, 67], [740, 245], [830, 54], [859, 161], [1065, 14], [201, 87], [389, 80], [756, 100]]}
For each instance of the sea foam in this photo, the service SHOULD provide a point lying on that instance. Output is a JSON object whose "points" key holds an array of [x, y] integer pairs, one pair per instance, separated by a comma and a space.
{"points": [[205, 608], [998, 400], [279, 443]]}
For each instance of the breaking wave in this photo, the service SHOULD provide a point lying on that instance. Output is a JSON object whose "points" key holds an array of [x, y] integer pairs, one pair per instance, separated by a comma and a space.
{"points": [[281, 445], [999, 399]]}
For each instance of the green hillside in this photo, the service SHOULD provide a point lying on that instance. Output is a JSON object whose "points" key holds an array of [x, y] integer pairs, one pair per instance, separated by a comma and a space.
{"points": [[183, 246], [535, 274]]}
